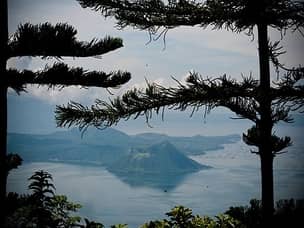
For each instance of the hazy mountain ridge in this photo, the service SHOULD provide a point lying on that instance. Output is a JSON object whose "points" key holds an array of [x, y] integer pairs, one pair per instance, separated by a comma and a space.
{"points": [[154, 160], [191, 145], [104, 146]]}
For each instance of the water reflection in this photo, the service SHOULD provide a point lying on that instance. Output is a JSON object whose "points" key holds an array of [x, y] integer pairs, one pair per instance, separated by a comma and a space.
{"points": [[162, 181], [134, 199]]}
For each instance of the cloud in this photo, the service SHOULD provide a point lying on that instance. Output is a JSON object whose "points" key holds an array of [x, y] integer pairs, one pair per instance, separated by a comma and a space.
{"points": [[209, 52], [19, 63], [293, 44], [89, 23], [221, 40], [65, 95], [166, 82]]}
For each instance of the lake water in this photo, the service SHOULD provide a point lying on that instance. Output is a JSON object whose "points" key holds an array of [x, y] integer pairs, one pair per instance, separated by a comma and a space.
{"points": [[233, 180]]}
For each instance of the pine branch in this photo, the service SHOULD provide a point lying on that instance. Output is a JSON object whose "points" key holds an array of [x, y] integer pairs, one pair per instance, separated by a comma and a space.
{"points": [[278, 144], [134, 103], [253, 138], [281, 113], [60, 40], [245, 108], [60, 75], [236, 15], [289, 91], [291, 77]]}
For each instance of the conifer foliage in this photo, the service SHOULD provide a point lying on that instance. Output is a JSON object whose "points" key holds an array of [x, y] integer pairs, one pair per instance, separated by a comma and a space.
{"points": [[259, 100], [41, 208], [46, 41]]}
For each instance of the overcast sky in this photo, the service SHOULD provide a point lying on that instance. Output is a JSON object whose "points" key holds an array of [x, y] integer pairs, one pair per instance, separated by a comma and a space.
{"points": [[210, 52]]}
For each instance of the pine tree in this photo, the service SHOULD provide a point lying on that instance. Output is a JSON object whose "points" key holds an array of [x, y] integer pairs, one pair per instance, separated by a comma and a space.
{"points": [[263, 103], [47, 41]]}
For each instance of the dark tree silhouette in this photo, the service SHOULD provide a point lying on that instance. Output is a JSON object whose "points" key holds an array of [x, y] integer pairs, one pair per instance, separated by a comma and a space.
{"points": [[257, 100], [46, 40], [42, 208]]}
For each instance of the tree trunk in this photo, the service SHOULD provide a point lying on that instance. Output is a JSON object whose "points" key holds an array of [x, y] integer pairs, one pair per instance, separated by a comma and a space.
{"points": [[267, 185], [265, 125], [3, 106]]}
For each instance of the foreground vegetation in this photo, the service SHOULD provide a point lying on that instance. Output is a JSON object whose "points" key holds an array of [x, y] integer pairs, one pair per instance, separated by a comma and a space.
{"points": [[43, 208]]}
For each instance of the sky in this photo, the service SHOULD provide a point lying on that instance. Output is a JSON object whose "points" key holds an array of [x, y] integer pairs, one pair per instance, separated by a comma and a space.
{"points": [[212, 53]]}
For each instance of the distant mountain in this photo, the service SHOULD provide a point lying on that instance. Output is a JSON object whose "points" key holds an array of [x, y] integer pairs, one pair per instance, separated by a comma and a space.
{"points": [[108, 136], [69, 146], [162, 158], [104, 146], [193, 145]]}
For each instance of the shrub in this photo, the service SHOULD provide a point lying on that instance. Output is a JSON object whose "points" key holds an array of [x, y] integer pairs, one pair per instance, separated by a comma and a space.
{"points": [[181, 217], [43, 208], [288, 213]]}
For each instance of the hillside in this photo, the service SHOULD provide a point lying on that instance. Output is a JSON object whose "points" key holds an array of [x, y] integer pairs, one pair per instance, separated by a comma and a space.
{"points": [[193, 145], [159, 158], [104, 146], [95, 146]]}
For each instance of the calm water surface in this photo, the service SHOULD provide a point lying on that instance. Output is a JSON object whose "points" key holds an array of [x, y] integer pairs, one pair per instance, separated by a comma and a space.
{"points": [[233, 180]]}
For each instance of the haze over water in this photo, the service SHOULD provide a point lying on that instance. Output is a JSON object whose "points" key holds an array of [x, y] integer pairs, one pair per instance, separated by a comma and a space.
{"points": [[233, 180]]}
